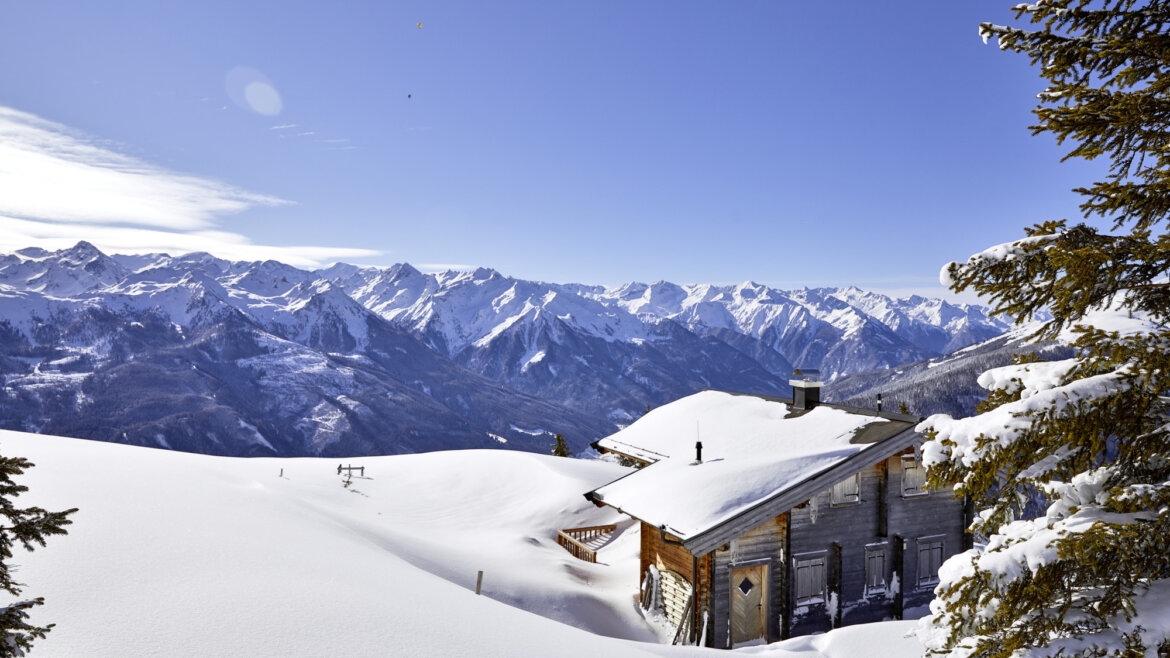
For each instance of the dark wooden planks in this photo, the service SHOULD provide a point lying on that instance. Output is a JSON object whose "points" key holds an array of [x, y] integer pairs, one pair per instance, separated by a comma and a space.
{"points": [[765, 544]]}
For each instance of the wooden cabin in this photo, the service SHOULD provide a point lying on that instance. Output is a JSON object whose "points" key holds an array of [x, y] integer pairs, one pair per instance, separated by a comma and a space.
{"points": [[766, 518]]}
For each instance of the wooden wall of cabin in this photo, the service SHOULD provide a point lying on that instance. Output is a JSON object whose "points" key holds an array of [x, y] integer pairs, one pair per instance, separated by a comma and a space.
{"points": [[817, 527], [763, 543], [842, 534], [666, 556], [706, 564], [915, 518]]}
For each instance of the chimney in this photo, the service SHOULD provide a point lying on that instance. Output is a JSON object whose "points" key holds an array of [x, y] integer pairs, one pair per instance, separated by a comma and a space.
{"points": [[806, 388]]}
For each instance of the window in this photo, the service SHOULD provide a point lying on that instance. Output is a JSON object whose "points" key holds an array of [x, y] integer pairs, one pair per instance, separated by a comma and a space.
{"points": [[746, 586], [930, 556], [810, 579], [913, 476], [875, 569], [846, 491]]}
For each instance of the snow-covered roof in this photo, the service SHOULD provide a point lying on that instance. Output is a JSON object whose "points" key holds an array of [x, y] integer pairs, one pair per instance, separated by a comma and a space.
{"points": [[754, 449]]}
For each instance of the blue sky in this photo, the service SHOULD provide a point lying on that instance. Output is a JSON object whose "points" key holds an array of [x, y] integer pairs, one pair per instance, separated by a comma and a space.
{"points": [[790, 143]]}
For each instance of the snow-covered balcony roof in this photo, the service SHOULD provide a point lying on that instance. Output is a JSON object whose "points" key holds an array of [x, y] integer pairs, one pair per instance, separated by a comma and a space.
{"points": [[755, 451]]}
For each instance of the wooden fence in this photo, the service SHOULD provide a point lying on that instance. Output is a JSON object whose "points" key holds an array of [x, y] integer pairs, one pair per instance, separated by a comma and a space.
{"points": [[575, 540]]}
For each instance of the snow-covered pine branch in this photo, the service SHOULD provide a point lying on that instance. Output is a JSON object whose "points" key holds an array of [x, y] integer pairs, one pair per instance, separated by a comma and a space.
{"points": [[1086, 440]]}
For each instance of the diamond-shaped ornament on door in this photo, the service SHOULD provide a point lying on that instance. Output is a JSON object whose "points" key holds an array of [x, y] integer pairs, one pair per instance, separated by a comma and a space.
{"points": [[745, 586]]}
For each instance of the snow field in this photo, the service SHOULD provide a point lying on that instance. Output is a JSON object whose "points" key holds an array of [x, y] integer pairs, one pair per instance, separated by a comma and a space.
{"points": [[175, 554]]}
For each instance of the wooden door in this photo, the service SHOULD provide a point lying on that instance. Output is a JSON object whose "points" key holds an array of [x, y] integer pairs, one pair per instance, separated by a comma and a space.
{"points": [[749, 603]]}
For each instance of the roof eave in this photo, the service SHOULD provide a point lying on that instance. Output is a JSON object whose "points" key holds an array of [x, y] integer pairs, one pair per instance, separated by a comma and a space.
{"points": [[641, 455]]}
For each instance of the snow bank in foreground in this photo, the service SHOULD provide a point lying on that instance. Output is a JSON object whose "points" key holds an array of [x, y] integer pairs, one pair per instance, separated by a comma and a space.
{"points": [[174, 554]]}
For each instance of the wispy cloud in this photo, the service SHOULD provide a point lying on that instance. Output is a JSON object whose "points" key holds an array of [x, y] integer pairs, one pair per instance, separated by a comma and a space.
{"points": [[50, 172], [60, 186], [18, 233], [283, 126], [334, 141], [307, 133]]}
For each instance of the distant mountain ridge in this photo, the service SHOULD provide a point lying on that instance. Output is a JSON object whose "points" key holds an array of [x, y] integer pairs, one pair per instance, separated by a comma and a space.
{"points": [[198, 353], [945, 384], [662, 335]]}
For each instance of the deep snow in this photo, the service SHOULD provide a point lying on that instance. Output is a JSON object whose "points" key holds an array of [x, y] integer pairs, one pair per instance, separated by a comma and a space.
{"points": [[176, 554]]}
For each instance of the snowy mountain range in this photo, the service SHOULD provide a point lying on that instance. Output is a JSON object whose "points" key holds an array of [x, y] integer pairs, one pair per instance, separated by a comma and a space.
{"points": [[202, 354]]}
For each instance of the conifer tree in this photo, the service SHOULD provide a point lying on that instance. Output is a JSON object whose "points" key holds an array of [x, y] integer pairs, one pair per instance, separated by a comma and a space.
{"points": [[1088, 436], [26, 527], [560, 448]]}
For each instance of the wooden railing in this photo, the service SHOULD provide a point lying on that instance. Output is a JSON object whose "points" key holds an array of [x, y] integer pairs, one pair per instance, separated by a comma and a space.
{"points": [[574, 540]]}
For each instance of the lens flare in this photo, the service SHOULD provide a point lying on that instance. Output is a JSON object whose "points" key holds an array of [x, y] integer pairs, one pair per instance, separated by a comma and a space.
{"points": [[262, 98], [251, 90]]}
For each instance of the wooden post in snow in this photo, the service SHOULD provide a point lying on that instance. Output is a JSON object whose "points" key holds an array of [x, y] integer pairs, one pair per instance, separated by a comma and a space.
{"points": [[478, 582]]}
